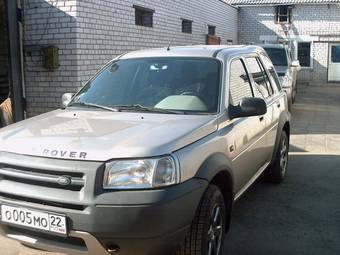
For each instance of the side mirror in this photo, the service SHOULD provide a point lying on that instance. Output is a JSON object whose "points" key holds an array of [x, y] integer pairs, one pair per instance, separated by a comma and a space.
{"points": [[248, 107], [296, 64], [66, 99]]}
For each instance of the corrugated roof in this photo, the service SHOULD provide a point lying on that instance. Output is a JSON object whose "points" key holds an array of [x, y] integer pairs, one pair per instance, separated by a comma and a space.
{"points": [[273, 2]]}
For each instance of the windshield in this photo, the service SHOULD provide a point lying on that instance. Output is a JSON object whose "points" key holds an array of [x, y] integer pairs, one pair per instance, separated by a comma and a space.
{"points": [[180, 84], [277, 56]]}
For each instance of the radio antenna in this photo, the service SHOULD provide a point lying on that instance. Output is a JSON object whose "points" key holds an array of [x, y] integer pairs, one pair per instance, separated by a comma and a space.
{"points": [[168, 49]]}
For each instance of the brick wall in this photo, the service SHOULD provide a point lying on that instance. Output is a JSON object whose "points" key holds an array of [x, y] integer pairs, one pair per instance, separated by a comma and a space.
{"points": [[89, 33], [46, 23], [319, 22], [108, 29]]}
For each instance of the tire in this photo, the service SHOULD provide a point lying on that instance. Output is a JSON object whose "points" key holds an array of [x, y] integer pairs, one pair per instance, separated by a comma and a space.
{"points": [[278, 169], [205, 232]]}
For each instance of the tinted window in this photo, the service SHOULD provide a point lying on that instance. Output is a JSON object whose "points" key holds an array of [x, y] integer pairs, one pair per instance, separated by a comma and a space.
{"points": [[336, 54], [261, 89], [278, 56], [166, 83], [238, 82], [304, 52]]}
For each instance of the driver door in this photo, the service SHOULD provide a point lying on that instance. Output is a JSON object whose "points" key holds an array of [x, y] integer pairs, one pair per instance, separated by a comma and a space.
{"points": [[247, 132]]}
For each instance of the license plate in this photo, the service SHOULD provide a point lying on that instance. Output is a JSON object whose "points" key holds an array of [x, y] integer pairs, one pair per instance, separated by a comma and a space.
{"points": [[33, 219]]}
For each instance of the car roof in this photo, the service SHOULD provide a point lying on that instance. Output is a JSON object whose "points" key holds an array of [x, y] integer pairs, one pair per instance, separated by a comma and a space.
{"points": [[274, 46], [192, 51]]}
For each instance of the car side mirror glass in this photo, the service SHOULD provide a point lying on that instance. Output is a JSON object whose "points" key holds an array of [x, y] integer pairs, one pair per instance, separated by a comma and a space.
{"points": [[248, 107], [66, 99]]}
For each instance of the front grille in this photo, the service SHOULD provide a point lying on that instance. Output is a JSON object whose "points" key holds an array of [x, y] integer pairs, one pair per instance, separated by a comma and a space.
{"points": [[45, 178], [16, 198]]}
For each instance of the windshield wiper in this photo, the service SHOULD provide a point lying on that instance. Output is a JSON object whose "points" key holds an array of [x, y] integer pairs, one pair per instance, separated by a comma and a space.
{"points": [[138, 107], [94, 106]]}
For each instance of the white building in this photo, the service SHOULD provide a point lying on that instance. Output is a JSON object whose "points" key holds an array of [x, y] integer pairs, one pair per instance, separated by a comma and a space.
{"points": [[66, 41], [312, 27]]}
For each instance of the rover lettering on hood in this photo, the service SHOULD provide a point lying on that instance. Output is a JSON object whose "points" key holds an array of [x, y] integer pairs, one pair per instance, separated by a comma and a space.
{"points": [[64, 154]]}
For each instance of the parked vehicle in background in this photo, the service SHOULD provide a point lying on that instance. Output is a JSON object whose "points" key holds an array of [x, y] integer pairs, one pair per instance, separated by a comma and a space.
{"points": [[286, 68], [149, 156]]}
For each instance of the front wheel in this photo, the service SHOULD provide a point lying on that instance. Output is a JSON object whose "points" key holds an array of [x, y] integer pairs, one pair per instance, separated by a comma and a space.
{"points": [[206, 236]]}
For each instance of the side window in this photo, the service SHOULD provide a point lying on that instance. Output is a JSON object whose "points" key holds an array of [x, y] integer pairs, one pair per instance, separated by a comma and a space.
{"points": [[272, 74], [274, 78], [261, 87], [239, 83], [268, 83]]}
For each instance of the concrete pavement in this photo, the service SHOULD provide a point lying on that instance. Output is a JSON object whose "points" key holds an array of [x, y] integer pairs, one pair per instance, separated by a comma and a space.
{"points": [[300, 216]]}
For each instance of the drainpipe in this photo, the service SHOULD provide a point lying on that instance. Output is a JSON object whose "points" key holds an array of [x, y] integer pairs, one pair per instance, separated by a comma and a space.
{"points": [[15, 59]]}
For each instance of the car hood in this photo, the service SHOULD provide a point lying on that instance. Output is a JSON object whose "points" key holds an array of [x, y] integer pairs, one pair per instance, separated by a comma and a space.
{"points": [[101, 136]]}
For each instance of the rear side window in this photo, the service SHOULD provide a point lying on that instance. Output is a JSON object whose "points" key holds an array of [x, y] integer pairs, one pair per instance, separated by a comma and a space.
{"points": [[239, 83], [261, 86], [272, 74], [266, 77]]}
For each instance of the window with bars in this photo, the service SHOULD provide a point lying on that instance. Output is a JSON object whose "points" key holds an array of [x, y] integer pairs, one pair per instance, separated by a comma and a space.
{"points": [[186, 26], [284, 14], [143, 16]]}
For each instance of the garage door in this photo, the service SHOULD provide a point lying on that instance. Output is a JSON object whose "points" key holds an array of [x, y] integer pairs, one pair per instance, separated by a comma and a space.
{"points": [[334, 62]]}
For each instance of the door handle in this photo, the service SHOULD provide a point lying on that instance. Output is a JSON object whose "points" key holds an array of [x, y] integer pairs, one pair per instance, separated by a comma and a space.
{"points": [[261, 118], [278, 105]]}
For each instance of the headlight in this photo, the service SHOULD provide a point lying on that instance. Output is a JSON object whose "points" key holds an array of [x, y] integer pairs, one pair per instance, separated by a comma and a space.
{"points": [[141, 173]]}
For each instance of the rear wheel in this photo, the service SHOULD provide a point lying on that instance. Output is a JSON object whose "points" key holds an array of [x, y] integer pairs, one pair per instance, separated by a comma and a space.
{"points": [[206, 236], [278, 169]]}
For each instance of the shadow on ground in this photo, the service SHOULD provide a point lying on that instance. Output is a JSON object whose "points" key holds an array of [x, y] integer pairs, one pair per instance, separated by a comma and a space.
{"points": [[300, 216]]}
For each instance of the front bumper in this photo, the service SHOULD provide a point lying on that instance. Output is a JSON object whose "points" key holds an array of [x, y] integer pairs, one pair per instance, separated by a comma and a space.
{"points": [[145, 222]]}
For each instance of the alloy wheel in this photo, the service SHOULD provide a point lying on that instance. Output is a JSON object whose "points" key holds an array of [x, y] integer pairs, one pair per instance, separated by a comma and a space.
{"points": [[284, 157], [215, 231]]}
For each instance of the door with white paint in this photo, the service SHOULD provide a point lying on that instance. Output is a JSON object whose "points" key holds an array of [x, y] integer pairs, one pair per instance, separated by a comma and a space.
{"points": [[334, 62]]}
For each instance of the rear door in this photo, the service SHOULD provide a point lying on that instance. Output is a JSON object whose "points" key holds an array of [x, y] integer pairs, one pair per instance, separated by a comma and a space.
{"points": [[277, 99], [249, 142], [263, 89]]}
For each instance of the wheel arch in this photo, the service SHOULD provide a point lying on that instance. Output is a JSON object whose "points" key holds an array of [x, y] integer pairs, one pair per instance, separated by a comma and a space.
{"points": [[216, 169], [284, 125]]}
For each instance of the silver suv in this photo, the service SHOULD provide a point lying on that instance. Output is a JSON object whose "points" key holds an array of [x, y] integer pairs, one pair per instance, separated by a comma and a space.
{"points": [[286, 68], [149, 156]]}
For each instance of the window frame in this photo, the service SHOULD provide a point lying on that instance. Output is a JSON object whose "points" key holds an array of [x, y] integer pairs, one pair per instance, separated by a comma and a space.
{"points": [[253, 83], [265, 72], [310, 54], [214, 30], [143, 11], [288, 16], [187, 21], [243, 61], [277, 85]]}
